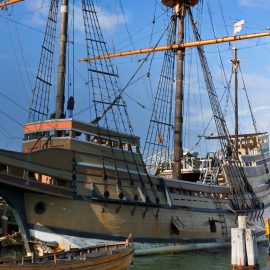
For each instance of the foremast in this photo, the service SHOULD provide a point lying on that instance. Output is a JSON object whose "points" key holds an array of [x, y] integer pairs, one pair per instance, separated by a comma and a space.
{"points": [[60, 97]]}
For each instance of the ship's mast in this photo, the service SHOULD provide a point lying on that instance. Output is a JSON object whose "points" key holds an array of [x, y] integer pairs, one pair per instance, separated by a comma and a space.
{"points": [[180, 10], [60, 97], [235, 63], [179, 95]]}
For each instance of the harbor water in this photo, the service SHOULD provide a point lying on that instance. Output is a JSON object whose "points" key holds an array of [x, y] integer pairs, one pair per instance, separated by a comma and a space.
{"points": [[216, 259]]}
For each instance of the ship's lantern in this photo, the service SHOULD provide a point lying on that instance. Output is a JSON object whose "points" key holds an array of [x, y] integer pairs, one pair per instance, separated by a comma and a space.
{"points": [[173, 3]]}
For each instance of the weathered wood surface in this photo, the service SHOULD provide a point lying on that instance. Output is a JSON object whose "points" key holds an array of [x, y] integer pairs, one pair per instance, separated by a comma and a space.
{"points": [[244, 251], [194, 204], [251, 246], [103, 257]]}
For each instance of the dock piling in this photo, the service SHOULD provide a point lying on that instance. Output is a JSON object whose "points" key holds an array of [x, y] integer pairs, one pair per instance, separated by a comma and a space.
{"points": [[4, 220], [244, 253]]}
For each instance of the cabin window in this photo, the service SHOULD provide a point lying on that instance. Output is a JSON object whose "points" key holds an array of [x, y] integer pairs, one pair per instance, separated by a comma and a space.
{"points": [[125, 147], [32, 175], [46, 134], [45, 179], [115, 144], [3, 168], [171, 190], [61, 182], [60, 133], [87, 137], [213, 227], [40, 208], [174, 229], [79, 135], [95, 139], [105, 142]]}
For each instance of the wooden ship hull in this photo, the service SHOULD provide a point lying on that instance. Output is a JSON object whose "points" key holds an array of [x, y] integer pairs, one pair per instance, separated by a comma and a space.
{"points": [[89, 180], [101, 257], [47, 200]]}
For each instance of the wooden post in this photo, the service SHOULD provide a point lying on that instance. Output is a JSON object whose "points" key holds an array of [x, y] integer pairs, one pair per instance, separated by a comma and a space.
{"points": [[242, 222], [241, 245], [4, 220], [267, 233], [244, 253], [241, 248], [234, 232], [252, 249]]}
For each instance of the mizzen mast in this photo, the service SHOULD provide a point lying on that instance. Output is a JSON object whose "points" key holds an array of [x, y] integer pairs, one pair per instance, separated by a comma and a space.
{"points": [[235, 63], [60, 97]]}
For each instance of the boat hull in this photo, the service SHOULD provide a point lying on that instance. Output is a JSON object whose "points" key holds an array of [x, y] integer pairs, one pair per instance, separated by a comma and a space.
{"points": [[107, 261], [188, 212], [82, 219]]}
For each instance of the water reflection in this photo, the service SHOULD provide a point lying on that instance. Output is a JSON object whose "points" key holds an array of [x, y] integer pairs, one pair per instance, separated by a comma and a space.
{"points": [[219, 259]]}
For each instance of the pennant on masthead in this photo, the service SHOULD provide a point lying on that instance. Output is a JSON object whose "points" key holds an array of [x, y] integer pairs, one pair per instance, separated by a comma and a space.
{"points": [[237, 27]]}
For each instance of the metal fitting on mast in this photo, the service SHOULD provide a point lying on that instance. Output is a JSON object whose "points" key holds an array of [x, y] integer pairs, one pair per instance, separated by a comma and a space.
{"points": [[173, 3]]}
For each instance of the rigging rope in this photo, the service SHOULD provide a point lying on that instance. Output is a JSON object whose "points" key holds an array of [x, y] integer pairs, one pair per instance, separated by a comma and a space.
{"points": [[158, 140], [119, 97], [244, 198], [39, 109], [254, 123]]}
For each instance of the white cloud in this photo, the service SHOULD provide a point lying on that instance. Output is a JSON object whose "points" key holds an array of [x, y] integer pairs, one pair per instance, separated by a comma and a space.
{"points": [[109, 21], [252, 3], [258, 88], [39, 9]]}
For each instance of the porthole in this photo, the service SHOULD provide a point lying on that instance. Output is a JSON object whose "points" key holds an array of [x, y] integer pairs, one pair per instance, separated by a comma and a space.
{"points": [[40, 208]]}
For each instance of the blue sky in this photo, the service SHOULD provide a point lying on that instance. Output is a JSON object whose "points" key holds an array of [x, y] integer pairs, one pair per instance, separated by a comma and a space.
{"points": [[22, 29]]}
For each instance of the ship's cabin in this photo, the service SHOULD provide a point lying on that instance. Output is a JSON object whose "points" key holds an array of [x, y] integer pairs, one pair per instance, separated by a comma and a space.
{"points": [[253, 147], [74, 135], [250, 144]]}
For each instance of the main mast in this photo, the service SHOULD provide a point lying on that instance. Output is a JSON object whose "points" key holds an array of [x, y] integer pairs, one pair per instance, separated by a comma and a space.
{"points": [[180, 10], [60, 97], [179, 95]]}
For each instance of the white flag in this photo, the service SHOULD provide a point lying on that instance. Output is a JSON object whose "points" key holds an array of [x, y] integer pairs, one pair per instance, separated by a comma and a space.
{"points": [[237, 27]]}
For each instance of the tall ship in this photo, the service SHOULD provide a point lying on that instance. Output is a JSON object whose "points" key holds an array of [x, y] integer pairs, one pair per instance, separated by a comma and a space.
{"points": [[93, 180]]}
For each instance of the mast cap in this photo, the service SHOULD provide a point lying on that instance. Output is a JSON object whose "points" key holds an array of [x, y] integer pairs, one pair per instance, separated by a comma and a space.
{"points": [[173, 3]]}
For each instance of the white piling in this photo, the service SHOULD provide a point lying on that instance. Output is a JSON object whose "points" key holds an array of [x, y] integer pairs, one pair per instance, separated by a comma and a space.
{"points": [[234, 233], [242, 222], [244, 251], [252, 249], [241, 248]]}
